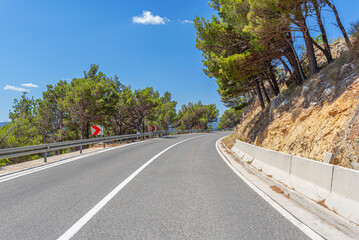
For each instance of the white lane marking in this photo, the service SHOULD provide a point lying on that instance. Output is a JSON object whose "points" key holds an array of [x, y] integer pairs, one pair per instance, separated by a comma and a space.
{"points": [[304, 228], [87, 217], [60, 162]]}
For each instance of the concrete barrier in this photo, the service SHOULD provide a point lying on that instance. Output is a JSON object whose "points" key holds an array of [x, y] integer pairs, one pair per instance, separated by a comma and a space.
{"points": [[246, 148], [338, 187], [273, 163], [237, 150], [344, 197], [277, 165], [245, 151], [311, 178]]}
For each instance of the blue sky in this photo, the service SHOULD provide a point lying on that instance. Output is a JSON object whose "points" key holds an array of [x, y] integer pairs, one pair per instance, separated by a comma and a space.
{"points": [[43, 42]]}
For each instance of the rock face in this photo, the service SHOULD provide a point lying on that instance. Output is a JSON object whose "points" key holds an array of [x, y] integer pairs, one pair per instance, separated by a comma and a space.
{"points": [[329, 91], [316, 130], [338, 48], [276, 103], [305, 90], [347, 68], [306, 132], [312, 121]]}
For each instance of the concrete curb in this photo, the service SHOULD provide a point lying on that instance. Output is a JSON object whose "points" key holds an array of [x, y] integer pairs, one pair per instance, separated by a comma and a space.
{"points": [[343, 224]]}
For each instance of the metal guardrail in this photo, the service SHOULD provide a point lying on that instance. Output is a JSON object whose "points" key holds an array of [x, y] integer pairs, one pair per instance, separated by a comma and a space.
{"points": [[45, 148]]}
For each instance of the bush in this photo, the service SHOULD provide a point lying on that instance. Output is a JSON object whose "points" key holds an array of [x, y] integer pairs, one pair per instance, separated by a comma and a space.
{"points": [[3, 162], [354, 29], [354, 32]]}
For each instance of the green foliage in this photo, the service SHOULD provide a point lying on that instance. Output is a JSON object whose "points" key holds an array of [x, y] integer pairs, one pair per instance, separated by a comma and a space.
{"points": [[165, 113], [4, 162], [143, 104], [242, 43], [197, 114], [22, 131], [354, 32], [90, 99], [354, 29], [52, 115], [319, 38], [68, 109], [230, 118]]}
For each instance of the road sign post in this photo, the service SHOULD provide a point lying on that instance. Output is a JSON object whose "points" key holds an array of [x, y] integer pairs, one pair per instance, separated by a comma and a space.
{"points": [[96, 131]]}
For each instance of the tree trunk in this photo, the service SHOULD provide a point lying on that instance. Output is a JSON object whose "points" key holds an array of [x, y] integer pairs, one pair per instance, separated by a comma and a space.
{"points": [[297, 68], [271, 86], [138, 125], [259, 94], [340, 25], [265, 92], [83, 127], [286, 68], [87, 130], [273, 80], [313, 65], [327, 52], [294, 61], [265, 74]]}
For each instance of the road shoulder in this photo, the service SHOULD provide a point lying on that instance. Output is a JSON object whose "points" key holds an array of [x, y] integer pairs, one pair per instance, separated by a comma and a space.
{"points": [[305, 218]]}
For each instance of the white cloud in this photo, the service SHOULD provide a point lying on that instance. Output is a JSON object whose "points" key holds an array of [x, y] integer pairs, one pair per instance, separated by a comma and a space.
{"points": [[29, 85], [148, 18], [186, 21], [18, 89]]}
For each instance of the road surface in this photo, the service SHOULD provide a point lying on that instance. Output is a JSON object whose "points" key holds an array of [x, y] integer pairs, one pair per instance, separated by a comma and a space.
{"points": [[186, 191]]}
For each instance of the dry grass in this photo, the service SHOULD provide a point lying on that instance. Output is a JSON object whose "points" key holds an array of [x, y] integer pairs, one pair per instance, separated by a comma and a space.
{"points": [[229, 141], [332, 71], [295, 114]]}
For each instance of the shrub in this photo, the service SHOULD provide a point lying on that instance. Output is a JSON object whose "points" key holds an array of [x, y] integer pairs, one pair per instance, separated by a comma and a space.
{"points": [[354, 32], [3, 162]]}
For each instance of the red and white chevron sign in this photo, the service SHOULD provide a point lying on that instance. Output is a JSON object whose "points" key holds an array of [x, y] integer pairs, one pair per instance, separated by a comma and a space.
{"points": [[96, 130]]}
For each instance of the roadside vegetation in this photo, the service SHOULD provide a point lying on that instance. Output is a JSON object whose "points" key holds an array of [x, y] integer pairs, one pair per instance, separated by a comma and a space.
{"points": [[68, 109], [274, 63]]}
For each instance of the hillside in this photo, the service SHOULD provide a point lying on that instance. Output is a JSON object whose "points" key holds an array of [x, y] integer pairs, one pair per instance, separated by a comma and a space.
{"points": [[311, 119]]}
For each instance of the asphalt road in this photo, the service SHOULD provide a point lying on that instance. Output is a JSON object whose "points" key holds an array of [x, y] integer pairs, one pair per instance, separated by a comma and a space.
{"points": [[187, 192]]}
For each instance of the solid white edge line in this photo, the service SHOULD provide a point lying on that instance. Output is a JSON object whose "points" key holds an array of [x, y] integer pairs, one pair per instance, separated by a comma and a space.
{"points": [[60, 162], [304, 228], [82, 221]]}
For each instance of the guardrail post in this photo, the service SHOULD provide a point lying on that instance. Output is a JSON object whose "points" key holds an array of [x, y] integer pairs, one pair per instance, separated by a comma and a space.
{"points": [[104, 145], [45, 154], [81, 149]]}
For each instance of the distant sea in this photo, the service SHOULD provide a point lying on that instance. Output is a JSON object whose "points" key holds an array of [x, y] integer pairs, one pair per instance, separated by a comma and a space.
{"points": [[214, 125], [3, 124]]}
